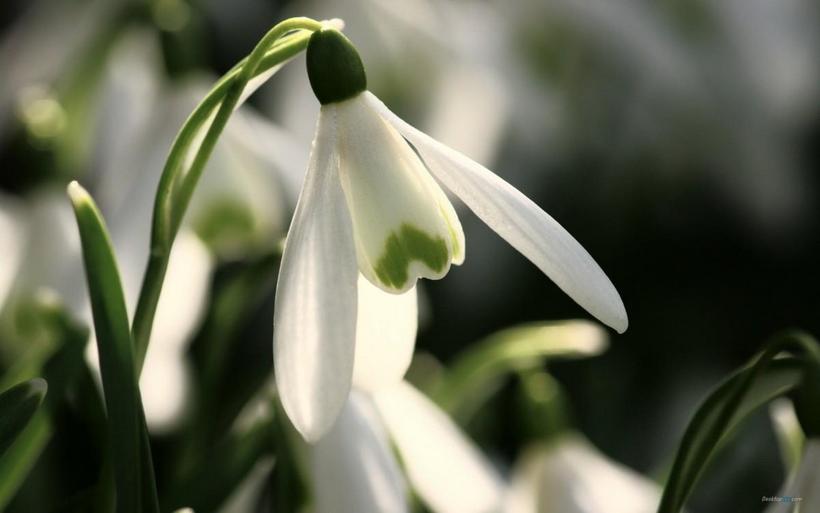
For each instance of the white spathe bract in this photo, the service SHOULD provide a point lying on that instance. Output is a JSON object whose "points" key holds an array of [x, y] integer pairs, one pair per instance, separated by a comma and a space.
{"points": [[446, 469], [370, 204], [571, 476]]}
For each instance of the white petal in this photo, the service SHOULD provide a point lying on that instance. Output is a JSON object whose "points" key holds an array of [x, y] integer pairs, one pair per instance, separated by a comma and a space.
{"points": [[522, 494], [184, 294], [405, 227], [573, 477], [385, 335], [788, 433], [444, 467], [315, 315], [53, 258], [164, 387], [12, 240], [164, 382], [353, 467], [240, 201], [519, 221], [806, 483]]}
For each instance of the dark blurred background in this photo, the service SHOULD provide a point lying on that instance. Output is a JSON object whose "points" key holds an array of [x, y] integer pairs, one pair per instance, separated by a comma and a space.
{"points": [[678, 141]]}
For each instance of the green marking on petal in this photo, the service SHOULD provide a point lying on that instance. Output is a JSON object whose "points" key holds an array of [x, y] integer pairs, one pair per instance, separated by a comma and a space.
{"points": [[453, 233], [225, 223], [404, 246]]}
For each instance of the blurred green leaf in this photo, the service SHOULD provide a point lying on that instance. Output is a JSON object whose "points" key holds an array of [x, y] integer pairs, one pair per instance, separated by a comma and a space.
{"points": [[240, 305], [43, 328], [100, 496], [17, 462], [210, 482], [476, 374], [290, 489], [125, 415], [17, 406], [59, 363], [541, 406], [718, 417]]}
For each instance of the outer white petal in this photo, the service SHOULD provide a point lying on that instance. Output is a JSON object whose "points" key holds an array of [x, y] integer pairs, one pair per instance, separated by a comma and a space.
{"points": [[519, 221], [315, 315], [353, 467], [444, 467], [405, 227], [570, 476], [385, 335]]}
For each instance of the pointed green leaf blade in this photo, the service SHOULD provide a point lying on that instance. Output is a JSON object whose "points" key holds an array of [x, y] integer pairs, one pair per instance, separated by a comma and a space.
{"points": [[115, 350]]}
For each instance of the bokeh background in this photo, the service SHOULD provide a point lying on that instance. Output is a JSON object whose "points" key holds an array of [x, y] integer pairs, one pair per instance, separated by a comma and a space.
{"points": [[678, 140]]}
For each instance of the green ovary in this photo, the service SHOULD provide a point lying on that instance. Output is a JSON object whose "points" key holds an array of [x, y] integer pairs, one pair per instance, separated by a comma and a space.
{"points": [[404, 246]]}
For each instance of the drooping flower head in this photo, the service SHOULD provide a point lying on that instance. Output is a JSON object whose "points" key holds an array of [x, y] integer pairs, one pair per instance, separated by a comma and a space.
{"points": [[373, 204], [403, 225]]}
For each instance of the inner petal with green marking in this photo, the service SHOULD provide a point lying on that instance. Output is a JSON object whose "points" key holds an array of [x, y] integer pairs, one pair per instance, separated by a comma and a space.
{"points": [[404, 225], [408, 245]]}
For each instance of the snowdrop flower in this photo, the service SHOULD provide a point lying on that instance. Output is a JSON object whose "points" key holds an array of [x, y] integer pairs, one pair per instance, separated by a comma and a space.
{"points": [[353, 465], [370, 204], [571, 476]]}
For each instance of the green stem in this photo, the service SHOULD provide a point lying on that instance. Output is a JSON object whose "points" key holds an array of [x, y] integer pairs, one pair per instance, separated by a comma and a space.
{"points": [[694, 453], [177, 184]]}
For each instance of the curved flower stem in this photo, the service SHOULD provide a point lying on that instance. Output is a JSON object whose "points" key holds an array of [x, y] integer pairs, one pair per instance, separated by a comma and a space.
{"points": [[714, 418], [179, 178]]}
